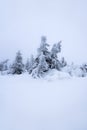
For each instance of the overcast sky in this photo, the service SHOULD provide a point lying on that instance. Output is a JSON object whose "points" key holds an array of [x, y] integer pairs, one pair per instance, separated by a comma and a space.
{"points": [[22, 22]]}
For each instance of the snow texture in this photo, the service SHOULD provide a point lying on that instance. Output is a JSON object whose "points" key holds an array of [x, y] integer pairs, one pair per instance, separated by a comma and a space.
{"points": [[42, 104]]}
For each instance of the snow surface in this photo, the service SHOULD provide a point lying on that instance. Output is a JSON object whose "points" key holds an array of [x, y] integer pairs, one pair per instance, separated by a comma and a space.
{"points": [[43, 104]]}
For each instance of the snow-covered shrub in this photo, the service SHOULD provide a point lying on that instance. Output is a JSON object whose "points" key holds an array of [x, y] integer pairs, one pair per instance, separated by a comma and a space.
{"points": [[84, 68], [78, 72], [63, 62], [74, 70]]}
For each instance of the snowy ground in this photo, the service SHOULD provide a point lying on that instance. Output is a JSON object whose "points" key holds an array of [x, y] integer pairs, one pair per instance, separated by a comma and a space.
{"points": [[30, 104]]}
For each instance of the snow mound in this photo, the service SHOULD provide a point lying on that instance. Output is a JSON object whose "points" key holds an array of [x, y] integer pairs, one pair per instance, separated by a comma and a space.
{"points": [[74, 71], [55, 74]]}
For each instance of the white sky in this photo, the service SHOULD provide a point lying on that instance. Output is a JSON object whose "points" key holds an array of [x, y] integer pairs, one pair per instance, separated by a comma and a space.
{"points": [[22, 22]]}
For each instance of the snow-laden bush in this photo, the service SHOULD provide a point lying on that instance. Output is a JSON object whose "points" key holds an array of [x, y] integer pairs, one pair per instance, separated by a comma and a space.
{"points": [[54, 74], [74, 70], [4, 67], [84, 68]]}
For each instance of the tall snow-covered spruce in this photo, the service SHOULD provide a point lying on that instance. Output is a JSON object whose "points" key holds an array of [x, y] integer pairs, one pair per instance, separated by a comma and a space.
{"points": [[18, 66], [40, 65]]}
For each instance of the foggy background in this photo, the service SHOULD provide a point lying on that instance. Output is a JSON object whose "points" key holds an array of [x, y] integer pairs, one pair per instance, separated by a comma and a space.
{"points": [[23, 22]]}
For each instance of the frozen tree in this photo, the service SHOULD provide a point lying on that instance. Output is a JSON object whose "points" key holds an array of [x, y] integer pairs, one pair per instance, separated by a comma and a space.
{"points": [[31, 60], [84, 69], [18, 66], [44, 49], [4, 66], [55, 63], [56, 49], [31, 64], [43, 46], [42, 67], [1, 67], [27, 65]]}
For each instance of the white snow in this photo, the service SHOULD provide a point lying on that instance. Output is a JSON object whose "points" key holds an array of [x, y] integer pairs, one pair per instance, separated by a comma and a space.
{"points": [[55, 75], [42, 104]]}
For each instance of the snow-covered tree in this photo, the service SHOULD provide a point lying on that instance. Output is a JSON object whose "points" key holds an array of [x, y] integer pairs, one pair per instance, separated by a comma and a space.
{"points": [[43, 46], [56, 49], [84, 69], [32, 60], [27, 65], [18, 66], [46, 59], [4, 66], [1, 67], [31, 64], [42, 67], [55, 63]]}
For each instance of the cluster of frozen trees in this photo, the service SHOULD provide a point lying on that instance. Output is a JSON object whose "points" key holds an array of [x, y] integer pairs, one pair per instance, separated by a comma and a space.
{"points": [[46, 60]]}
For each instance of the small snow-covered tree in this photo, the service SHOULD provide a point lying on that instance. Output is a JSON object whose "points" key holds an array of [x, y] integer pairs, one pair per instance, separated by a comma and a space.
{"points": [[4, 66], [55, 63], [27, 65], [42, 67], [56, 49], [18, 66], [84, 69], [32, 60], [1, 67], [42, 52], [31, 64]]}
